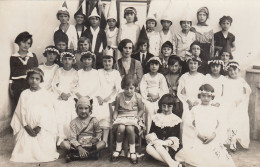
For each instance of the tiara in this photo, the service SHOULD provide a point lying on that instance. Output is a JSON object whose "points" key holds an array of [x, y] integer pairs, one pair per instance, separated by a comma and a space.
{"points": [[206, 92], [34, 71]]}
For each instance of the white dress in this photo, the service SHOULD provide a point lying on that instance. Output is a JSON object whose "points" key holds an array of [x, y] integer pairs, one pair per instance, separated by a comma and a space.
{"points": [[188, 89], [109, 82], [49, 72], [236, 97], [72, 35], [213, 154], [88, 84], [65, 82], [154, 42], [130, 32], [170, 36], [34, 109], [112, 38], [156, 85]]}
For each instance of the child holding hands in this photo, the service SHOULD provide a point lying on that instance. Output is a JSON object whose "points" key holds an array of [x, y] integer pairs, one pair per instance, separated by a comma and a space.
{"points": [[128, 111]]}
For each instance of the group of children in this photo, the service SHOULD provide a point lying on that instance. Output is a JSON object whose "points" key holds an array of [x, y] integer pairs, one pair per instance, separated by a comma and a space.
{"points": [[75, 98]]}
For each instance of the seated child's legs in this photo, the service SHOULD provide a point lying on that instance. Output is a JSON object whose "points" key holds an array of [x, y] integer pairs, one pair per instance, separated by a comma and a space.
{"points": [[152, 151], [130, 130], [150, 109], [120, 133], [65, 144]]}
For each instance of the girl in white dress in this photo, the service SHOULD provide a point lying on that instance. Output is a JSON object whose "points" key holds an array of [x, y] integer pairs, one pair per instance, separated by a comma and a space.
{"points": [[236, 96], [88, 84], [206, 149], [110, 85], [50, 67], [187, 92], [152, 87], [64, 85], [34, 124]]}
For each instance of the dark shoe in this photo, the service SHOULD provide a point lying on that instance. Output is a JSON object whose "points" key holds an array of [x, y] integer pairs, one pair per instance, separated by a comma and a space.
{"points": [[134, 160], [115, 158], [68, 158]]}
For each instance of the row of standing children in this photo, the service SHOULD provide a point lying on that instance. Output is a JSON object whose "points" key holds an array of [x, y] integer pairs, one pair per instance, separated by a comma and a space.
{"points": [[25, 41]]}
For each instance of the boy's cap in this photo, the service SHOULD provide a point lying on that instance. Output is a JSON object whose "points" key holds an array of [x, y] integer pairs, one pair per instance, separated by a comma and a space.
{"points": [[112, 12], [94, 13], [156, 58], [83, 100], [130, 10]]}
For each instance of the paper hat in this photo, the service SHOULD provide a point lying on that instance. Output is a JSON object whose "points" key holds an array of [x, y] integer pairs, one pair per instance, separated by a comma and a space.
{"points": [[94, 13], [60, 36], [168, 12], [83, 100], [112, 12], [151, 17], [156, 58], [63, 10], [79, 12], [143, 38], [109, 52], [186, 17]]}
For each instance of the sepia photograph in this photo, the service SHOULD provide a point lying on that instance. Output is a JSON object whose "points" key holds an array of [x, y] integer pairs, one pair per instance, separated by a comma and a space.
{"points": [[149, 83]]}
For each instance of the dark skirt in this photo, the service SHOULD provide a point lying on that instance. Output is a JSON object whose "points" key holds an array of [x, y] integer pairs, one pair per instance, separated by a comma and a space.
{"points": [[18, 86]]}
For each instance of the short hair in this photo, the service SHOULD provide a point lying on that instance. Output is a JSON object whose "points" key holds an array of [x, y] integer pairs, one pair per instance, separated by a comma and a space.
{"points": [[131, 10], [165, 20], [154, 62], [23, 37], [168, 99], [225, 18], [151, 20], [141, 43], [174, 59], [167, 44], [83, 39], [186, 21], [88, 54], [123, 43], [230, 54], [207, 88], [129, 80], [34, 70]]}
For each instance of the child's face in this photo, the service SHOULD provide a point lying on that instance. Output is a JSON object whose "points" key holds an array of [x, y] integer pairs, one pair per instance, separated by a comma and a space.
{"points": [[193, 66], [83, 111], [84, 46], [79, 19], [51, 56], [233, 72], [150, 25], [25, 45], [129, 90], [87, 62], [185, 25], [129, 17], [94, 21], [167, 109], [61, 46], [195, 50], [166, 24], [111, 23], [205, 98], [63, 18], [154, 67], [67, 62], [202, 17], [175, 68], [225, 25], [215, 69], [127, 50], [34, 80], [143, 47], [108, 63], [166, 51], [225, 57]]}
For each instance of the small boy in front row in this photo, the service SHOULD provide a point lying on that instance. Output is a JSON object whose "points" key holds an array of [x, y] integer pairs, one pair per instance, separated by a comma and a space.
{"points": [[85, 134]]}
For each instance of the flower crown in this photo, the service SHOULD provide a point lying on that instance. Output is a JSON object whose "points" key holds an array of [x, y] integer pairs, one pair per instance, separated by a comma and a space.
{"points": [[52, 50], [66, 53], [88, 52], [34, 71], [206, 92], [233, 64], [216, 62]]}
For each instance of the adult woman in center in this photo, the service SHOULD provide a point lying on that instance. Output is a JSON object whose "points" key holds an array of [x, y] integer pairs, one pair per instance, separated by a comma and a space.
{"points": [[126, 64]]}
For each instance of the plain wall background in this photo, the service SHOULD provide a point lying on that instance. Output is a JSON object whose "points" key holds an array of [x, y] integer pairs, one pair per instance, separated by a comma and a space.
{"points": [[39, 18]]}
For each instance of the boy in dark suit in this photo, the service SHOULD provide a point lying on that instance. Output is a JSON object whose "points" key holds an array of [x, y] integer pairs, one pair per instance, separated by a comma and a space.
{"points": [[143, 54]]}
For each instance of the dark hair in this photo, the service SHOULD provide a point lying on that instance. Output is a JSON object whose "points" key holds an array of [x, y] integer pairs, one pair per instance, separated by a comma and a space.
{"points": [[207, 88], [168, 99], [141, 43], [186, 21], [127, 12], [214, 64], [225, 18], [230, 54], [154, 62], [34, 70], [193, 59], [173, 59], [165, 20], [88, 55], [151, 20], [83, 39], [129, 80], [23, 37], [123, 43], [167, 44]]}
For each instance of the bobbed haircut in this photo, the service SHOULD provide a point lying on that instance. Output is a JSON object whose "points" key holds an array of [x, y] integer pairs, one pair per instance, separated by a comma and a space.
{"points": [[23, 37], [151, 20], [129, 10], [225, 18], [129, 80], [168, 99], [83, 39], [174, 59], [123, 43], [207, 88]]}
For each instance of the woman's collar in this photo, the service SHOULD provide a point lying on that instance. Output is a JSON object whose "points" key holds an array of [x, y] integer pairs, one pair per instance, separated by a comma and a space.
{"points": [[16, 54]]}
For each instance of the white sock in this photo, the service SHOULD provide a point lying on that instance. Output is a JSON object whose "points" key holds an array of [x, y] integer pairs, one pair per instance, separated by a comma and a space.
{"points": [[119, 146], [132, 148]]}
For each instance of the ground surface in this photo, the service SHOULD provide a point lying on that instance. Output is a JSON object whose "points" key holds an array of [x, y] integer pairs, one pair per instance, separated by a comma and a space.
{"points": [[242, 158]]}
